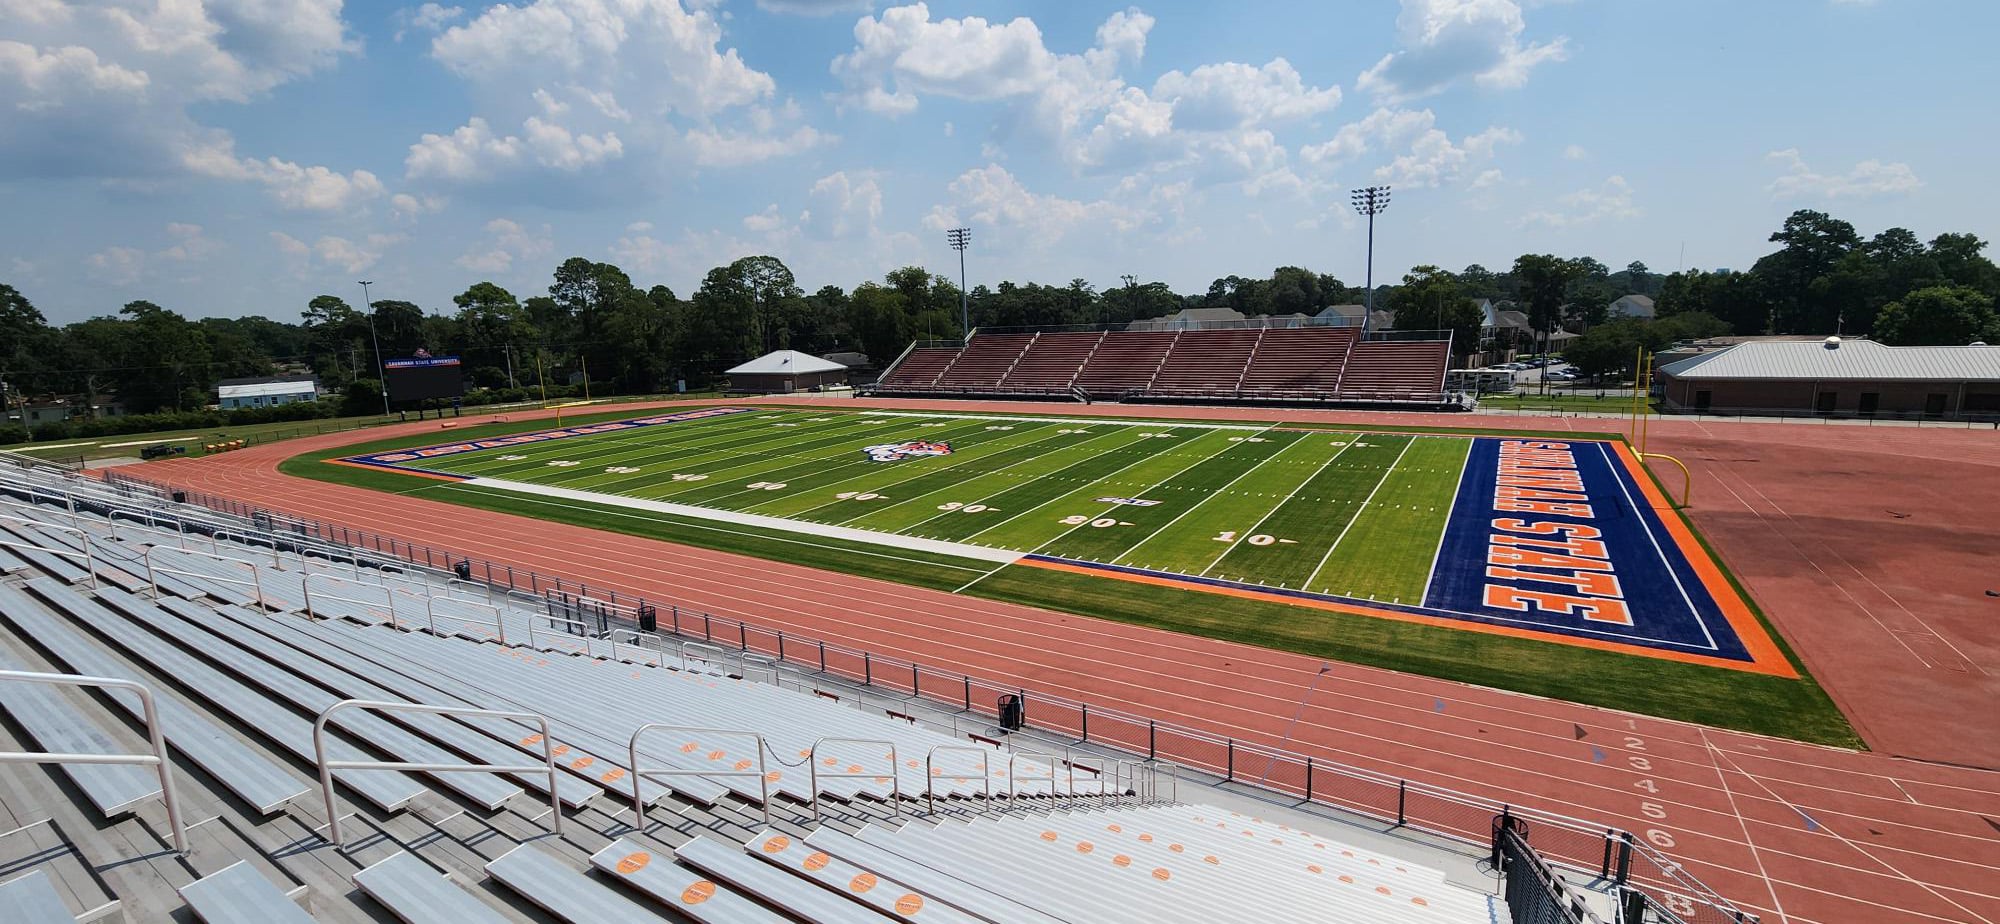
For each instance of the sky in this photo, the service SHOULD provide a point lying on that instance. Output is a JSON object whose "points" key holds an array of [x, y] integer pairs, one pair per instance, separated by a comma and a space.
{"points": [[233, 157]]}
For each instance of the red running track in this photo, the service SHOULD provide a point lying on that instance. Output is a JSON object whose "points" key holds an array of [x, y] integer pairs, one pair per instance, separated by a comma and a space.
{"points": [[1794, 832]]}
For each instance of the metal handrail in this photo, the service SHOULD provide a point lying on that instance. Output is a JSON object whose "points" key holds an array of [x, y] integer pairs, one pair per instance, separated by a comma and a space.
{"points": [[82, 540], [153, 572], [638, 638], [535, 643], [154, 736], [326, 767], [722, 658], [895, 779], [931, 775], [638, 772], [1014, 779], [499, 619], [305, 586]]}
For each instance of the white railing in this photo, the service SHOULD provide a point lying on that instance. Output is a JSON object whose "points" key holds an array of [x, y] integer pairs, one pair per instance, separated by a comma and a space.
{"points": [[895, 780], [499, 619], [931, 774], [82, 541], [640, 772], [153, 572], [326, 767], [1014, 774], [388, 602], [157, 759]]}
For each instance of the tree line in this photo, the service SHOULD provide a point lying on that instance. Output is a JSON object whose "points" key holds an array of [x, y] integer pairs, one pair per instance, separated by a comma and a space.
{"points": [[594, 319]]}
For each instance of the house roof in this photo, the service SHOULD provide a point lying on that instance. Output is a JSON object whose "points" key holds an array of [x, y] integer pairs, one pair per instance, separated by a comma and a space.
{"points": [[1342, 311], [267, 379], [266, 385], [1514, 319], [1832, 359], [786, 362], [1637, 299], [850, 360]]}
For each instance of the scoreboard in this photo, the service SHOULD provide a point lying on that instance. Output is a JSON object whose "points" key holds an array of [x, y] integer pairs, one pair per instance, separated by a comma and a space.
{"points": [[424, 378]]}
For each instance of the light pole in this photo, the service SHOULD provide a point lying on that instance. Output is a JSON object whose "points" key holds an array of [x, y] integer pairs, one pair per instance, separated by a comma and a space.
{"points": [[961, 238], [1370, 201], [381, 371]]}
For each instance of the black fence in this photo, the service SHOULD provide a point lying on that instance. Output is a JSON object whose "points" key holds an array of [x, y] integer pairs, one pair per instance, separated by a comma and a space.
{"points": [[1610, 854]]}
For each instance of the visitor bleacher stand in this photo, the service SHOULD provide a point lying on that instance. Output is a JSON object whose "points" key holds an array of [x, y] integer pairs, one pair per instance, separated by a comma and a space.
{"points": [[210, 721], [1213, 362]]}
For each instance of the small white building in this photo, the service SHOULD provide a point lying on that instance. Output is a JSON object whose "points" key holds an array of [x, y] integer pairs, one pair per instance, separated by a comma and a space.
{"points": [[1632, 306], [265, 391], [786, 371]]}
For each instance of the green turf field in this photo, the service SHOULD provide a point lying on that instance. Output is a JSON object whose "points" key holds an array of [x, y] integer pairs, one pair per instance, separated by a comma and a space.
{"points": [[1248, 503], [1364, 511]]}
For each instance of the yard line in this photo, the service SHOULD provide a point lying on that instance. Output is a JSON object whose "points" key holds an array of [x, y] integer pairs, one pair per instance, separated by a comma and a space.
{"points": [[827, 459], [1110, 507], [1055, 474], [816, 444], [1233, 543], [1003, 480], [1463, 465], [967, 457], [1379, 482], [611, 447], [1219, 492]]}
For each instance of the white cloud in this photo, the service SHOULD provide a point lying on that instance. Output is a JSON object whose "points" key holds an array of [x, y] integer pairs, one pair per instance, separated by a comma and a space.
{"points": [[1866, 179], [507, 243], [472, 153], [712, 148], [1215, 97], [349, 256], [312, 188], [815, 7], [1575, 152], [430, 17], [843, 206], [639, 227], [1008, 214], [407, 207], [1448, 41], [1610, 201], [1429, 156], [124, 266]]}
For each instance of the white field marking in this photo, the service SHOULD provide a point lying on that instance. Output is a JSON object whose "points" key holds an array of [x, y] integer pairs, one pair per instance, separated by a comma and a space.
{"points": [[1219, 492], [752, 519], [1615, 466], [695, 448], [1112, 508], [171, 439], [1274, 509], [832, 460], [1007, 473], [1003, 472], [642, 444], [1058, 497], [1182, 424], [997, 446], [729, 454], [41, 446], [1743, 824], [1430, 575], [1323, 559]]}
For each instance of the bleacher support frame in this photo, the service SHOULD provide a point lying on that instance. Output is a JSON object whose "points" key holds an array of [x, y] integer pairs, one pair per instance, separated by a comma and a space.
{"points": [[326, 767], [155, 736]]}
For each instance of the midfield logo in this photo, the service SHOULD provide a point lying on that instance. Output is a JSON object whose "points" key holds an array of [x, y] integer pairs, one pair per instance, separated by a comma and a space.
{"points": [[896, 452]]}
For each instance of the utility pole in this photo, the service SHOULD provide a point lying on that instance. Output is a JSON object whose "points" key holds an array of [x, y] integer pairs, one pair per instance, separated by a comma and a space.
{"points": [[510, 365], [1370, 201], [381, 371], [961, 238]]}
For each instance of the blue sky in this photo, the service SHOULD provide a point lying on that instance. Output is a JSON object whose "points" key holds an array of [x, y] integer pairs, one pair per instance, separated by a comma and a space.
{"points": [[241, 156]]}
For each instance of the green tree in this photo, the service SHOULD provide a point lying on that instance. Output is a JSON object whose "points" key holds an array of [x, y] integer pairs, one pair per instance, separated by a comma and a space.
{"points": [[1939, 316], [1545, 280], [1432, 299], [165, 363]]}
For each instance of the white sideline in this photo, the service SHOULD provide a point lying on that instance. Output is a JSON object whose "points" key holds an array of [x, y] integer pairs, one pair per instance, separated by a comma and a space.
{"points": [[825, 530]]}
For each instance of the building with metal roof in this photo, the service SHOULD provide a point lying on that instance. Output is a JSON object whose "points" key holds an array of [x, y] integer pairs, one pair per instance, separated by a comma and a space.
{"points": [[1836, 377], [785, 371]]}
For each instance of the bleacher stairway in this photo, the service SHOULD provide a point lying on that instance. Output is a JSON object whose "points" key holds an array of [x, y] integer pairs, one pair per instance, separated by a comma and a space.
{"points": [[275, 667]]}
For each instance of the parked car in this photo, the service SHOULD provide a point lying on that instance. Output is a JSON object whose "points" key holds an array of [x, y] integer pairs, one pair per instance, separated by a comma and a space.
{"points": [[162, 451]]}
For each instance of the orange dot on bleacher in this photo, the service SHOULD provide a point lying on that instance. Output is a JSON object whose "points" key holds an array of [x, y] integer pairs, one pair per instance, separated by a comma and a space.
{"points": [[1212, 860], [861, 883], [690, 747], [773, 776], [1049, 836], [1382, 889], [699, 892], [582, 762], [910, 904], [715, 754], [1420, 901], [1161, 873], [612, 775], [1121, 860], [531, 740], [854, 768], [1145, 838], [777, 844], [1175, 848], [634, 862], [1314, 869], [743, 764], [1347, 879], [1113, 828], [1085, 847], [817, 861]]}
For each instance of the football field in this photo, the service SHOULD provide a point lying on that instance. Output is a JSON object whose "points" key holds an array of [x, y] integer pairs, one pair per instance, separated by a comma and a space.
{"points": [[1553, 540]]}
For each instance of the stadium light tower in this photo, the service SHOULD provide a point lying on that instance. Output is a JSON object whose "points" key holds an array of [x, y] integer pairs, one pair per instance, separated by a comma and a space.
{"points": [[381, 371], [1370, 201], [960, 239]]}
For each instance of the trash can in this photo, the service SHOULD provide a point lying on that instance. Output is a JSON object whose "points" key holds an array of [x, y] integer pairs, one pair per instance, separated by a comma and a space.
{"points": [[463, 569], [649, 618], [1013, 713], [180, 497]]}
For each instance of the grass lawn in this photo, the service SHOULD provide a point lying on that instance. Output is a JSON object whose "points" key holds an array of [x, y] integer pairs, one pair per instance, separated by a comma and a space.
{"points": [[1584, 400], [1351, 514]]}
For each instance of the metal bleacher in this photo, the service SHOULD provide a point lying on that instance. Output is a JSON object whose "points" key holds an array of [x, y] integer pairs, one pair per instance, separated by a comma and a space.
{"points": [[489, 757]]}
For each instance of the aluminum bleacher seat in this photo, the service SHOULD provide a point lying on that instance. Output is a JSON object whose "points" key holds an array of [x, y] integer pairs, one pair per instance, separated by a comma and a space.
{"points": [[239, 768], [238, 894], [389, 790], [1394, 369], [869, 887], [676, 886], [1052, 361], [1298, 360], [563, 891], [418, 894], [59, 727], [729, 865], [33, 899], [961, 893]]}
